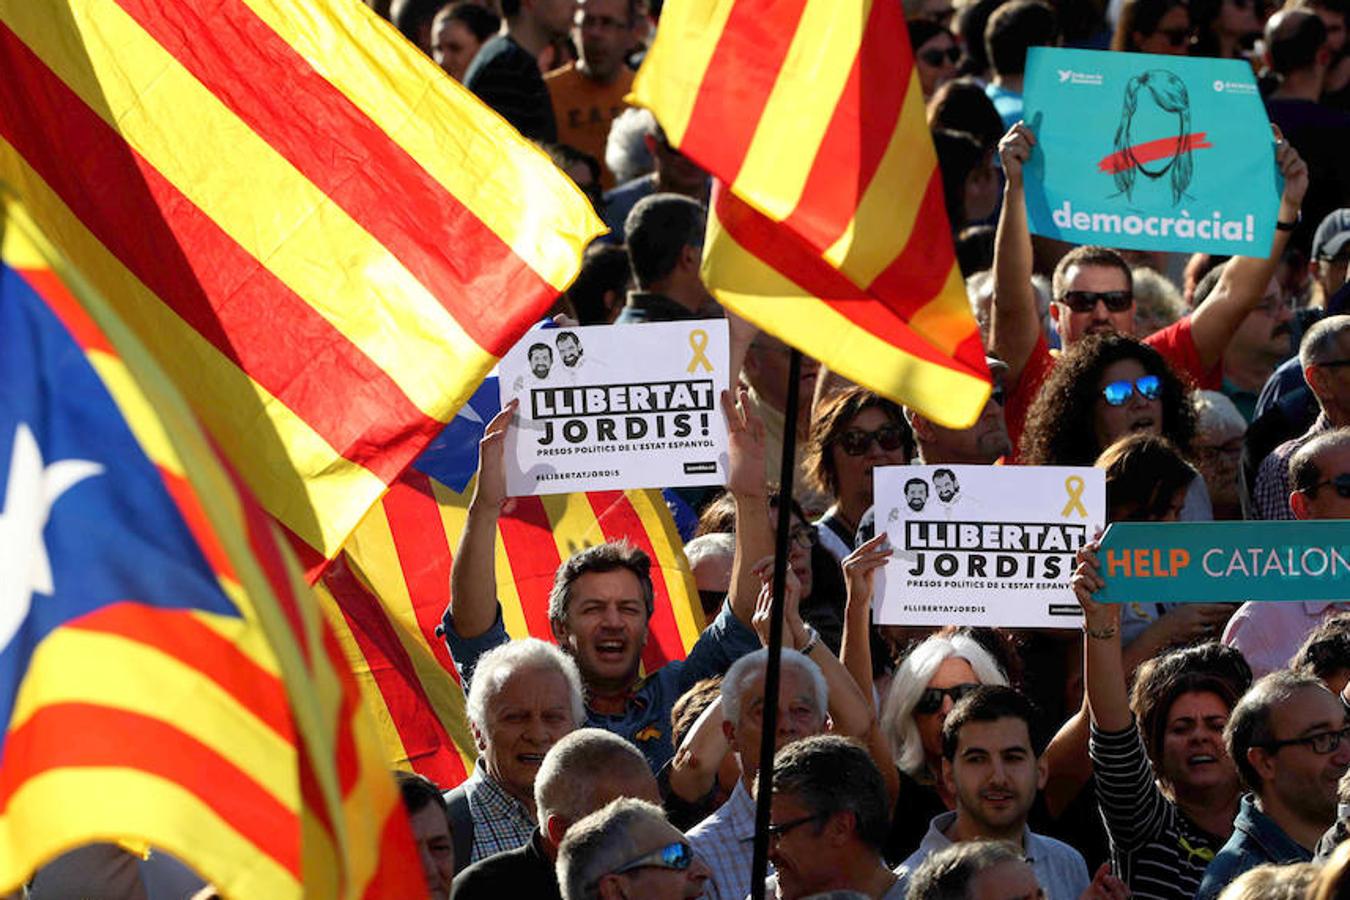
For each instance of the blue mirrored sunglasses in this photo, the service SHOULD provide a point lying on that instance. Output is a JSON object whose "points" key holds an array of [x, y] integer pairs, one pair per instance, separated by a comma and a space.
{"points": [[678, 855], [1117, 393]]}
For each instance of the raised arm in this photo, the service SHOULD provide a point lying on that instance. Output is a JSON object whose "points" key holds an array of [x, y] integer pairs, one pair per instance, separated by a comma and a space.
{"points": [[745, 480], [1104, 666], [1244, 279], [1015, 325], [860, 568], [473, 575]]}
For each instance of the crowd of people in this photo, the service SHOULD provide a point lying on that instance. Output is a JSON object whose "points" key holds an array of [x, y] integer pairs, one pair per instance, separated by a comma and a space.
{"points": [[1185, 750]]}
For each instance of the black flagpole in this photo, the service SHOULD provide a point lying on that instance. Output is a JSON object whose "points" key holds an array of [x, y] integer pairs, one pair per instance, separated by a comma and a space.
{"points": [[759, 869]]}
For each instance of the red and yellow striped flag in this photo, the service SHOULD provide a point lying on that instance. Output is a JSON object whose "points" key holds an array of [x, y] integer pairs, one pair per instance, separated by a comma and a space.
{"points": [[325, 242], [831, 233], [166, 678], [391, 586]]}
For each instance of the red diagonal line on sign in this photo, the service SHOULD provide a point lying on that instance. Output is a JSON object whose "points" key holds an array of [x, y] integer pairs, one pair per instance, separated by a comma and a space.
{"points": [[1151, 151]]}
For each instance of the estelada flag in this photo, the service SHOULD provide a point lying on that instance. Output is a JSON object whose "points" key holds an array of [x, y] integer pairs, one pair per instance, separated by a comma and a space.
{"points": [[325, 241], [828, 229], [166, 677], [391, 586]]}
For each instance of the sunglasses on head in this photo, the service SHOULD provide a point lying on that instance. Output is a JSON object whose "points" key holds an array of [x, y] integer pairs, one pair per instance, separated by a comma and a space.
{"points": [[1086, 301], [934, 58], [678, 855], [855, 441], [1341, 483], [930, 701], [1118, 393]]}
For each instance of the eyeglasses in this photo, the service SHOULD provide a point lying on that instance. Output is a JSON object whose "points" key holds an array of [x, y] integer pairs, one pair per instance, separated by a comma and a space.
{"points": [[1177, 37], [1086, 301], [1118, 393], [804, 536], [776, 831], [678, 855], [930, 701], [1341, 483], [1322, 743], [855, 441], [934, 58]]}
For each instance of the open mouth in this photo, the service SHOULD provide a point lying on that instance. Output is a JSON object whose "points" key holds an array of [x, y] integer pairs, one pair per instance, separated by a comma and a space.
{"points": [[1143, 424], [530, 759], [611, 650], [1201, 759]]}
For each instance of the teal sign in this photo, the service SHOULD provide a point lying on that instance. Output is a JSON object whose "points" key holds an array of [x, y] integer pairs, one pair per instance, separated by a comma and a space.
{"points": [[1203, 562], [1149, 152]]}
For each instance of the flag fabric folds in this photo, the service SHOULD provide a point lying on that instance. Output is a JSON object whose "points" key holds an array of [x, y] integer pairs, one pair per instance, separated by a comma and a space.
{"points": [[392, 584], [828, 228], [165, 677], [325, 242]]}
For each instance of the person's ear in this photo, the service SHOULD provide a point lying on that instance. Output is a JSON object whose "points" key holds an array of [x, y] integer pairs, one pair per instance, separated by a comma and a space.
{"points": [[554, 829], [1042, 772], [949, 776], [691, 258], [1298, 505], [729, 732], [561, 633], [612, 888], [922, 428], [1262, 761]]}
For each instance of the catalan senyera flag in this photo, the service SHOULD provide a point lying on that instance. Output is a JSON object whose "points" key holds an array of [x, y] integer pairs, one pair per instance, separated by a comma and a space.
{"points": [[391, 586], [828, 228], [325, 242], [167, 679]]}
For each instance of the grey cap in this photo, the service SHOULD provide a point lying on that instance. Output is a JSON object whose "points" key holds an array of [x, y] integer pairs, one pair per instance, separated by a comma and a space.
{"points": [[1332, 235]]}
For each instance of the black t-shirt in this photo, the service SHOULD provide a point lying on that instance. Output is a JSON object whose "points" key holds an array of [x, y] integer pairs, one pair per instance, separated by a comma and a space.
{"points": [[505, 76], [523, 872]]}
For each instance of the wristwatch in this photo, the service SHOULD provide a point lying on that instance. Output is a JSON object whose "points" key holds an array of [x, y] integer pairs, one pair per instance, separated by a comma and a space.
{"points": [[1289, 226]]}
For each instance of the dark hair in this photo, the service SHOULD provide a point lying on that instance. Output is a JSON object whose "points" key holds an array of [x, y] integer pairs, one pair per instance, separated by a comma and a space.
{"points": [[409, 16], [1205, 286], [417, 791], [948, 472], [1141, 17], [1170, 94], [567, 334], [539, 346], [919, 481], [1295, 41], [1143, 474], [482, 23], [1058, 430], [510, 8], [658, 229], [970, 23], [564, 155], [921, 31], [829, 774], [1013, 29], [1088, 255], [1209, 668], [607, 557], [1249, 724], [719, 516], [1326, 650], [962, 105], [975, 249], [690, 705], [958, 155], [831, 419], [989, 703], [604, 268]]}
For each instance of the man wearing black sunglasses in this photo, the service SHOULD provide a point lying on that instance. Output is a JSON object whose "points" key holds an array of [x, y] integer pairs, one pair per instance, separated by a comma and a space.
{"points": [[1289, 739], [628, 850], [1093, 290]]}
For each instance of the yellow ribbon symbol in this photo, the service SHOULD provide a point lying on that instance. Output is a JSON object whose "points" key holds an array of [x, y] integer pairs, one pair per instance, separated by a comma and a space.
{"points": [[698, 342], [1073, 485]]}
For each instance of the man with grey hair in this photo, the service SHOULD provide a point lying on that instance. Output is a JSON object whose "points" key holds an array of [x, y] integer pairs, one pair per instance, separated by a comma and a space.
{"points": [[602, 603], [976, 870], [1288, 738], [525, 696], [829, 819], [583, 772], [628, 850], [1324, 354], [670, 172], [710, 558]]}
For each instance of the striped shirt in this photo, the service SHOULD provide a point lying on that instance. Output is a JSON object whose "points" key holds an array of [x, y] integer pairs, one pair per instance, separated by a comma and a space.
{"points": [[500, 821], [726, 842], [1155, 849]]}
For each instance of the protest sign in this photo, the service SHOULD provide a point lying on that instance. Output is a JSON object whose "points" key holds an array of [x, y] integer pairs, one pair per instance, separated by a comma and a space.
{"points": [[984, 545], [1149, 152], [614, 407], [1212, 562]]}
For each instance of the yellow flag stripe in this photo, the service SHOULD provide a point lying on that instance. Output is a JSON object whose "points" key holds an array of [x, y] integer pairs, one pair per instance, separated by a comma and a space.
{"points": [[694, 28]]}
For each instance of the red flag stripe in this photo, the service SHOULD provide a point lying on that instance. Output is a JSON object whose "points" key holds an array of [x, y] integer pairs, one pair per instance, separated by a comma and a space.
{"points": [[180, 636], [366, 173], [147, 222], [348, 761], [527, 535], [918, 274], [52, 290], [391, 879], [850, 150], [618, 520], [425, 740], [424, 554], [116, 738], [733, 92]]}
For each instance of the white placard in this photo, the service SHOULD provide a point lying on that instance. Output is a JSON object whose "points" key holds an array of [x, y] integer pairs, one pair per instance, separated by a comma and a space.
{"points": [[985, 545], [613, 407]]}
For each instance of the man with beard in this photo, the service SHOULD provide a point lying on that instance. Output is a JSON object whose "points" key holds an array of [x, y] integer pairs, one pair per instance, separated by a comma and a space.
{"points": [[541, 360], [1288, 737], [1260, 344], [916, 494], [569, 348], [944, 480], [1093, 293], [991, 765]]}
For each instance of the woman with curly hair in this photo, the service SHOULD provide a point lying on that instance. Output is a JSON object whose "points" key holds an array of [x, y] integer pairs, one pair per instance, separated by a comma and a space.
{"points": [[853, 432], [1105, 387]]}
